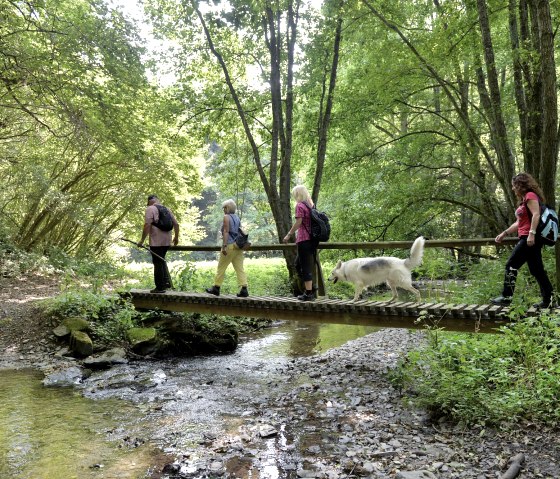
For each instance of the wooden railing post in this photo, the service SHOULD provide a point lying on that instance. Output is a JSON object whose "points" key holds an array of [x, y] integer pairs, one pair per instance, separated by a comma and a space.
{"points": [[318, 277]]}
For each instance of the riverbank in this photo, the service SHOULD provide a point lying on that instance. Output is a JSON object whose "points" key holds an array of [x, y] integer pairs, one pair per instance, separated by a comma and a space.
{"points": [[332, 415], [340, 417]]}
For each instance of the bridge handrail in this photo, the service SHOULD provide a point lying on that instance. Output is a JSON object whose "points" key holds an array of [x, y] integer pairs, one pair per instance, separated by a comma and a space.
{"points": [[373, 245]]}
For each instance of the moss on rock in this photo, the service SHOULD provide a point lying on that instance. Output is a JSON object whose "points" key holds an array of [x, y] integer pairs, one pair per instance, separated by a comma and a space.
{"points": [[81, 343], [75, 323], [138, 335]]}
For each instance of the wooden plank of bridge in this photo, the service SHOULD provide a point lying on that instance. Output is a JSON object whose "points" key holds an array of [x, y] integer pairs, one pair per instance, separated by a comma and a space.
{"points": [[374, 313], [459, 310], [482, 310], [436, 308], [495, 311], [469, 310], [408, 309]]}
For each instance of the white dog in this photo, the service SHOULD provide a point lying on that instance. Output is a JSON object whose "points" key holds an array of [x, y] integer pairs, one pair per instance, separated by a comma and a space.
{"points": [[396, 272]]}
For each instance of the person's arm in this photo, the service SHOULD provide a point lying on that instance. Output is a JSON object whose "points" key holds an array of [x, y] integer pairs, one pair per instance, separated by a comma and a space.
{"points": [[225, 234], [147, 225], [294, 227], [509, 230], [534, 208]]}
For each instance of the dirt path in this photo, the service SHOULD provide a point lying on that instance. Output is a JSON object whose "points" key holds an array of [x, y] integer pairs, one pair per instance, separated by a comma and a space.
{"points": [[24, 333]]}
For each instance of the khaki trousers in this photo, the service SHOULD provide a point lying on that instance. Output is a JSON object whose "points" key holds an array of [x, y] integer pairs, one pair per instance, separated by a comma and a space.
{"points": [[235, 257]]}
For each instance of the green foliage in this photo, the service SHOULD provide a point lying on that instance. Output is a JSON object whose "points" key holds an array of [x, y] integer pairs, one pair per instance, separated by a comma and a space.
{"points": [[109, 315], [83, 133], [492, 379], [15, 262], [266, 276]]}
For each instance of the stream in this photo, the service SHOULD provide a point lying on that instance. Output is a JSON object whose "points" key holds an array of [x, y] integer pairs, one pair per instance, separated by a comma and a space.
{"points": [[127, 422]]}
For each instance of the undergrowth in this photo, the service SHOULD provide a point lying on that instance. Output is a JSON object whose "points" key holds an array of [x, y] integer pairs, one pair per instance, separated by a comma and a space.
{"points": [[110, 316], [488, 378]]}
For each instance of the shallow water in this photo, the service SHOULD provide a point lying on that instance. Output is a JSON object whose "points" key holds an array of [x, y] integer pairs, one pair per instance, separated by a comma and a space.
{"points": [[56, 433], [115, 426]]}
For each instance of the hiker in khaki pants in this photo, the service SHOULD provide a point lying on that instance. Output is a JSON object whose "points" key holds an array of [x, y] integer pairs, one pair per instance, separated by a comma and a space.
{"points": [[230, 253]]}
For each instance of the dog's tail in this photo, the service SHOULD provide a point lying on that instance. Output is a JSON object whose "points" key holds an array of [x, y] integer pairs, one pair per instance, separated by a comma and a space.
{"points": [[416, 253]]}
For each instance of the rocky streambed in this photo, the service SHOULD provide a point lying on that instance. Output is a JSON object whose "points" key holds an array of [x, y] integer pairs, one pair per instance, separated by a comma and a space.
{"points": [[277, 407], [335, 415]]}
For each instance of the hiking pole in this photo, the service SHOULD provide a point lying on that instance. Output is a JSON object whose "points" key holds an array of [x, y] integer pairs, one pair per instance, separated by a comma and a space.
{"points": [[156, 255]]}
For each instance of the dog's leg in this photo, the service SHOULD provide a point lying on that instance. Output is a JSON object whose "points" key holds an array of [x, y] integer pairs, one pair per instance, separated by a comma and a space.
{"points": [[413, 290], [358, 288], [394, 291]]}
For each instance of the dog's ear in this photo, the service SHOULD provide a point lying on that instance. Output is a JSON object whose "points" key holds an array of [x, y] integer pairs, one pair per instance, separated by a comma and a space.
{"points": [[339, 264]]}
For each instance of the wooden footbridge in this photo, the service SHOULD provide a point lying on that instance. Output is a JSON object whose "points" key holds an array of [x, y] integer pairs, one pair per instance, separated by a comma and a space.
{"points": [[410, 315]]}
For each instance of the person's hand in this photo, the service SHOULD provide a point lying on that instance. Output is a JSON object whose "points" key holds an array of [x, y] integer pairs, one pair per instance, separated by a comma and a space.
{"points": [[140, 244], [175, 241], [500, 237], [286, 239], [224, 250], [530, 239]]}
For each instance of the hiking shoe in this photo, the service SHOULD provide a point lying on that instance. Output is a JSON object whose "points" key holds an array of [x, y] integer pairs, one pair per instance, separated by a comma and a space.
{"points": [[156, 290], [306, 296], [243, 293], [501, 301], [215, 290], [545, 305]]}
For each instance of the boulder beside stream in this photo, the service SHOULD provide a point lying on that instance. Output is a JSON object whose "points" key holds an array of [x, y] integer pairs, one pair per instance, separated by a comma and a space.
{"points": [[70, 324], [81, 343], [143, 341], [188, 337]]}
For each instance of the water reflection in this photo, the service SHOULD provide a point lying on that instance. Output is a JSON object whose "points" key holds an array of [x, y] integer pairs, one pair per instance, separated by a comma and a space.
{"points": [[297, 339], [52, 433]]}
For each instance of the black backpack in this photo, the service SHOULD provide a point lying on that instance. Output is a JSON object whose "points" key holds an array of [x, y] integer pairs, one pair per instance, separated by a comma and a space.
{"points": [[164, 222], [320, 226]]}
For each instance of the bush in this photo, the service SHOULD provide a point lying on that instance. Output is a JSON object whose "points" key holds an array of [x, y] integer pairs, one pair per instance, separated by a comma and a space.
{"points": [[110, 316], [492, 379], [15, 262]]}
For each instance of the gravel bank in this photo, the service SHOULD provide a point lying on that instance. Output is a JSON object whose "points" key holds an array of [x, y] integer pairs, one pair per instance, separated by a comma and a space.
{"points": [[340, 417]]}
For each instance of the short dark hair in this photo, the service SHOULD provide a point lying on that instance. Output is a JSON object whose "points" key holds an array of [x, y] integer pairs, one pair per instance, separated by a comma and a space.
{"points": [[151, 197]]}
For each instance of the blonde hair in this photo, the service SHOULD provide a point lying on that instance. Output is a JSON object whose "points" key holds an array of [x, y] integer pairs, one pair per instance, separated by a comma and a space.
{"points": [[301, 195], [230, 206]]}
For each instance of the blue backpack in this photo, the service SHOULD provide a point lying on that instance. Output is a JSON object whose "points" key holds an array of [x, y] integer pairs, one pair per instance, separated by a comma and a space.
{"points": [[547, 229]]}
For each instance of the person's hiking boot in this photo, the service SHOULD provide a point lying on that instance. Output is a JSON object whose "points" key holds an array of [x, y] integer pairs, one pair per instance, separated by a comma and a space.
{"points": [[215, 290], [157, 290], [545, 305], [307, 296], [501, 301], [243, 293]]}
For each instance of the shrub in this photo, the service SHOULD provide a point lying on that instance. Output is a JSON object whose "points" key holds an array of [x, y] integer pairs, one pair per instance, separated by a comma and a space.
{"points": [[110, 316], [494, 379], [266, 277]]}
